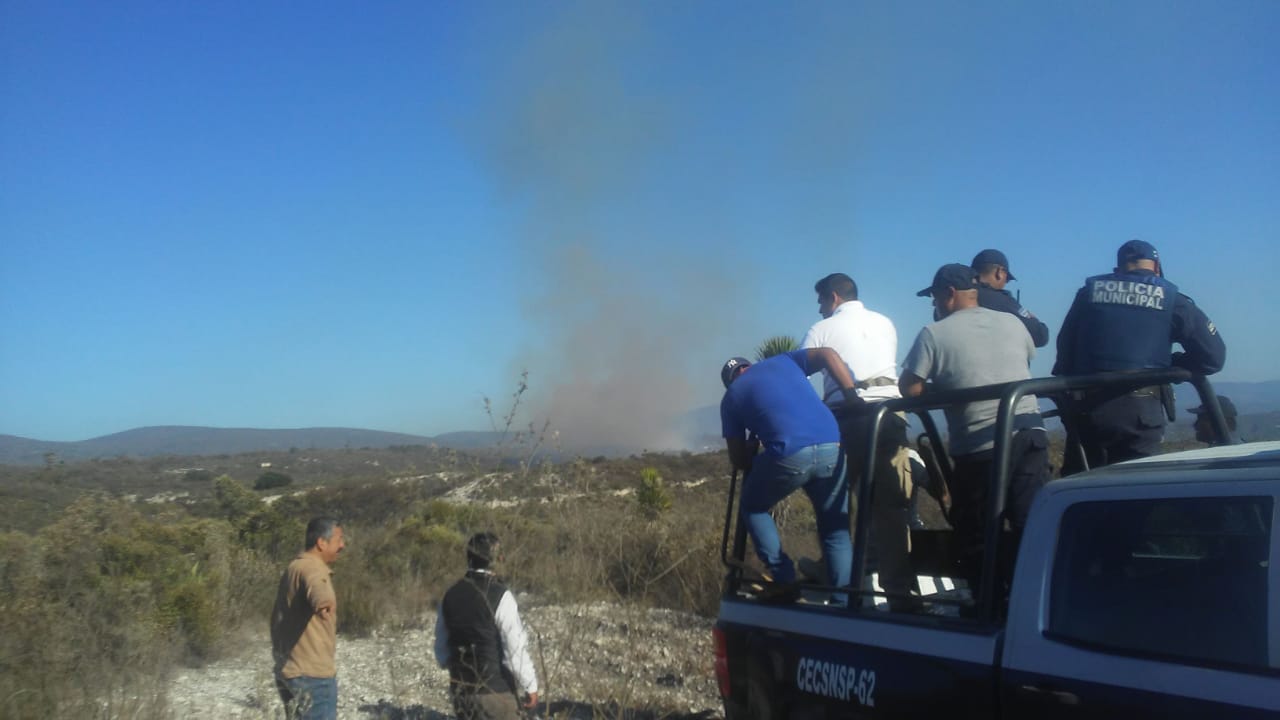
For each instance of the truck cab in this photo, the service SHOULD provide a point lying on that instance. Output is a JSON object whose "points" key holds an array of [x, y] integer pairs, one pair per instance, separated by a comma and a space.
{"points": [[1140, 590]]}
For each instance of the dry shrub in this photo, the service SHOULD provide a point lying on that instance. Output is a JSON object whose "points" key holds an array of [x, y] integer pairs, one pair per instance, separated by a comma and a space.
{"points": [[389, 574], [596, 545], [99, 606], [370, 504], [393, 573]]}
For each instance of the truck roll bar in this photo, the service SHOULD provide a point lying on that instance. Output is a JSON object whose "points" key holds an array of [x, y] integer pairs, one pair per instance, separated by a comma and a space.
{"points": [[1062, 391]]}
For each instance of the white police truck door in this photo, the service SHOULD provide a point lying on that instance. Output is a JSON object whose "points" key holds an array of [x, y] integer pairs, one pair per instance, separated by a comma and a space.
{"points": [[1153, 600]]}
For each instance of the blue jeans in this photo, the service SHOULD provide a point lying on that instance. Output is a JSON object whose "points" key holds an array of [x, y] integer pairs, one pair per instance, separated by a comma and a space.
{"points": [[309, 698], [819, 470]]}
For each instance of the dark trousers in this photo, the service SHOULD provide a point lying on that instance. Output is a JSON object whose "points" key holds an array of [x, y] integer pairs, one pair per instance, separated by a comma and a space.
{"points": [[485, 706], [1110, 431], [971, 483]]}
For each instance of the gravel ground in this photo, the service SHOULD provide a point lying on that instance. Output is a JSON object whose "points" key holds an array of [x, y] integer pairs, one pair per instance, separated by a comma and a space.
{"points": [[592, 660]]}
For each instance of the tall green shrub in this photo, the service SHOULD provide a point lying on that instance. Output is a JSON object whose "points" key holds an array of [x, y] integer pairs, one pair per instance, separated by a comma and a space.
{"points": [[234, 500], [272, 479]]}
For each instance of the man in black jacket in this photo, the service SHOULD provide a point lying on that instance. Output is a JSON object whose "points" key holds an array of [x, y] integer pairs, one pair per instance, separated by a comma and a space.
{"points": [[993, 274], [480, 639]]}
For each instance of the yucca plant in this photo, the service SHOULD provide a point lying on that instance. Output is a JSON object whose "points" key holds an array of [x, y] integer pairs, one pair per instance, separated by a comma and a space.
{"points": [[776, 345], [653, 496]]}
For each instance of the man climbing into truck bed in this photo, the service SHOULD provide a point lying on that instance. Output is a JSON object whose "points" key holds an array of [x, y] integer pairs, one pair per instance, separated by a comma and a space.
{"points": [[773, 400]]}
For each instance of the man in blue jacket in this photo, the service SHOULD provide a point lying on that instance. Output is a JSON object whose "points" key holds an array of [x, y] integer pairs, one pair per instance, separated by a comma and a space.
{"points": [[1128, 320], [773, 400]]}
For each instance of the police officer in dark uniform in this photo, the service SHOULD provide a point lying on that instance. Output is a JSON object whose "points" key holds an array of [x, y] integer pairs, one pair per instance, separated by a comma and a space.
{"points": [[1204, 426], [993, 274], [1128, 320]]}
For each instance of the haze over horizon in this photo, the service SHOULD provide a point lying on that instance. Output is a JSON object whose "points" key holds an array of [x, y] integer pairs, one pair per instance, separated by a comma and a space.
{"points": [[373, 217]]}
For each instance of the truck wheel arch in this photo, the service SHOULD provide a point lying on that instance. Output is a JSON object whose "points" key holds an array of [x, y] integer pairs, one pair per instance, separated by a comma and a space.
{"points": [[765, 699]]}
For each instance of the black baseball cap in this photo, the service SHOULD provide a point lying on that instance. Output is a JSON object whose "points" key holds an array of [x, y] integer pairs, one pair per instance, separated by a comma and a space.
{"points": [[730, 367], [482, 549], [952, 275], [1228, 408], [992, 257], [1136, 250]]}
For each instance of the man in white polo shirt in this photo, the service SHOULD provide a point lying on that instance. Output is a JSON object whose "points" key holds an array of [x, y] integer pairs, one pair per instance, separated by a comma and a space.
{"points": [[868, 343]]}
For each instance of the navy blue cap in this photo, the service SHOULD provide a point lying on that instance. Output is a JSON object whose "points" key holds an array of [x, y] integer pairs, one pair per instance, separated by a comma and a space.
{"points": [[1136, 250], [991, 257], [730, 368], [1228, 408], [952, 275]]}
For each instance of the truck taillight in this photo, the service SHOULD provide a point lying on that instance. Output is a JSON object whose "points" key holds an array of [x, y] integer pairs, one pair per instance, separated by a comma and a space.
{"points": [[722, 662]]}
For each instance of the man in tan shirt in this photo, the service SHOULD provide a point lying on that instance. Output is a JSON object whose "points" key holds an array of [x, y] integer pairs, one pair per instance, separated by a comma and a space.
{"points": [[304, 627]]}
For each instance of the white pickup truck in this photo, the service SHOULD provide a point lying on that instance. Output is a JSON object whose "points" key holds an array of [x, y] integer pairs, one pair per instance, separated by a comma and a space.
{"points": [[1142, 590]]}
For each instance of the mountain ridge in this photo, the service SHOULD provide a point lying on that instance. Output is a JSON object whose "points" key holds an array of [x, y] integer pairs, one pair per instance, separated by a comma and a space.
{"points": [[199, 440], [701, 427]]}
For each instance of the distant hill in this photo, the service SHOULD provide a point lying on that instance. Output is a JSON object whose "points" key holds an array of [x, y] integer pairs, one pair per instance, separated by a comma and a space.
{"points": [[187, 440], [700, 428], [198, 441], [468, 439], [1249, 397], [1265, 426], [1252, 427]]}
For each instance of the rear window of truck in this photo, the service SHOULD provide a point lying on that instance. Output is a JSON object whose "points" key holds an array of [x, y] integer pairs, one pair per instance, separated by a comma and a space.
{"points": [[1183, 578]]}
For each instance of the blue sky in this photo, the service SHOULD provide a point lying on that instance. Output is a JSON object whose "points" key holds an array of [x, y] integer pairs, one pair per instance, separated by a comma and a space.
{"points": [[325, 214]]}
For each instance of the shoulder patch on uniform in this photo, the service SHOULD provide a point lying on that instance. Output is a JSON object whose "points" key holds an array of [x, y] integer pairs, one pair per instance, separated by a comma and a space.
{"points": [[1213, 329]]}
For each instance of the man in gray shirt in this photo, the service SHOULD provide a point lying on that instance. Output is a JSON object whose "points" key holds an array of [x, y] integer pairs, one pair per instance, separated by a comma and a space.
{"points": [[971, 346]]}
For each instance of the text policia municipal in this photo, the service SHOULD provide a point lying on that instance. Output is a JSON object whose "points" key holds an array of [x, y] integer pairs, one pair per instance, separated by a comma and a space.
{"points": [[1128, 292]]}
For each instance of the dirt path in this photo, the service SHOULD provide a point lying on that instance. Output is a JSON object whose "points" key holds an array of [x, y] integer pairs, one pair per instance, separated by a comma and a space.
{"points": [[591, 658]]}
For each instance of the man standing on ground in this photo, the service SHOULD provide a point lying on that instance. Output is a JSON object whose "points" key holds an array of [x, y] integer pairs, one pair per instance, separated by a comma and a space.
{"points": [[304, 625], [1128, 320], [972, 346], [1204, 426], [773, 400], [481, 641], [993, 274], [868, 344]]}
